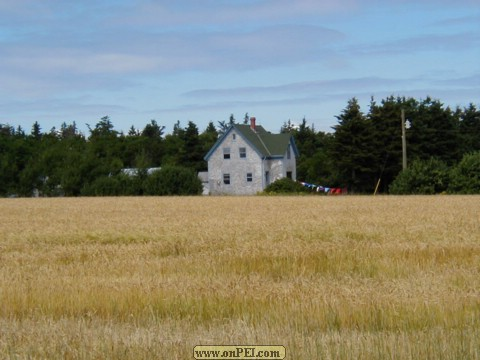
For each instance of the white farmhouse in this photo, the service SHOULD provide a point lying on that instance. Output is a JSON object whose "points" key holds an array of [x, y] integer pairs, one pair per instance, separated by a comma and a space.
{"points": [[246, 158]]}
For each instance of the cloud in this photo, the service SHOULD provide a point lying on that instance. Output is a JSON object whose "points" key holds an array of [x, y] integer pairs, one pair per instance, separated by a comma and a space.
{"points": [[325, 91], [82, 105], [415, 44], [192, 13], [212, 13], [472, 81], [54, 111], [310, 87], [46, 75], [250, 13], [226, 49], [158, 49], [139, 53], [164, 36], [276, 45], [459, 21], [77, 62]]}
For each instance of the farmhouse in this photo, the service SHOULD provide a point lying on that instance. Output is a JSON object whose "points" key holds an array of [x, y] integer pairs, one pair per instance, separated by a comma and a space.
{"points": [[246, 158]]}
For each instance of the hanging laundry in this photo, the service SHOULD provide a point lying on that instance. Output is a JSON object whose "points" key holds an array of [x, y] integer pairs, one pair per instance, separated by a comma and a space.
{"points": [[327, 190]]}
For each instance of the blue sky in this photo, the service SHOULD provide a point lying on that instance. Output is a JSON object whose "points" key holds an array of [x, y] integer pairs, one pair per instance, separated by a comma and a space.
{"points": [[202, 60]]}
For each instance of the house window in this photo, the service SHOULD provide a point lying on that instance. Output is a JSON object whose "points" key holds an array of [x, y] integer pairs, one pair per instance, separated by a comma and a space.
{"points": [[289, 174], [249, 177], [243, 153], [234, 136], [226, 179], [226, 153]]}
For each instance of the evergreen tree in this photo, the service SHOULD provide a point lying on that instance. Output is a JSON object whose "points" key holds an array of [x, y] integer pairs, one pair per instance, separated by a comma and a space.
{"points": [[208, 138], [469, 127], [8, 160], [320, 167], [287, 127], [192, 148], [306, 144], [305, 139], [104, 128], [152, 144], [174, 146], [314, 164], [352, 149], [104, 150], [222, 127], [153, 130], [36, 131], [386, 134], [133, 132], [246, 119], [434, 133]]}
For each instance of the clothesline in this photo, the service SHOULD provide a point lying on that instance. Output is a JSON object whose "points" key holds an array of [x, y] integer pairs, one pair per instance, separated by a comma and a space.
{"points": [[325, 189]]}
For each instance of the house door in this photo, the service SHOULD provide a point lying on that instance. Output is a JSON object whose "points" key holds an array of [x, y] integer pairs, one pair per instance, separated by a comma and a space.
{"points": [[267, 178]]}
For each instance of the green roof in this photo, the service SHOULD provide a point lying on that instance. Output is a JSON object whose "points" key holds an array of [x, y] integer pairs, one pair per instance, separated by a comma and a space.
{"points": [[264, 142]]}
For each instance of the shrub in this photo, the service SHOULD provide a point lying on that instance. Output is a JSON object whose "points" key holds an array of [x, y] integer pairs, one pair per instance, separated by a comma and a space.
{"points": [[285, 185], [103, 186], [173, 180], [422, 177], [465, 177], [116, 185]]}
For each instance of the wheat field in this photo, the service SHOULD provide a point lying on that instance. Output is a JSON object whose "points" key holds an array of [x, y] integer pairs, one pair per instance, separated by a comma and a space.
{"points": [[347, 277]]}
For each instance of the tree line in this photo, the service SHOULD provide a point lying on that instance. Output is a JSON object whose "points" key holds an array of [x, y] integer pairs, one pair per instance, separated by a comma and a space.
{"points": [[66, 162], [363, 152]]}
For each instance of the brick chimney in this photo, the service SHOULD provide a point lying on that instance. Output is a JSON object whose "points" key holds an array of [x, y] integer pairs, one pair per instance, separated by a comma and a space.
{"points": [[252, 123]]}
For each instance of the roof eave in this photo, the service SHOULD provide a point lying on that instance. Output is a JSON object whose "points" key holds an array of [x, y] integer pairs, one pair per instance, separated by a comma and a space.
{"points": [[217, 143], [294, 146], [221, 138]]}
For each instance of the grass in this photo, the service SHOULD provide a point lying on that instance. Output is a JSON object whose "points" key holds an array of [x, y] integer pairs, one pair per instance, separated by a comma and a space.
{"points": [[327, 277]]}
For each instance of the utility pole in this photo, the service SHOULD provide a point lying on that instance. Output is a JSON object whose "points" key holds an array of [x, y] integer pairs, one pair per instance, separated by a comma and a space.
{"points": [[404, 142]]}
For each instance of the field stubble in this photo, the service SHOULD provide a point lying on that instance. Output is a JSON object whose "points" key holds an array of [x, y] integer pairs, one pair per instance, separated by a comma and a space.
{"points": [[327, 277]]}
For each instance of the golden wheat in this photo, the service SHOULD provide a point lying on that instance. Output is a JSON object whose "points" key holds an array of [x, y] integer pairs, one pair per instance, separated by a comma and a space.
{"points": [[328, 277]]}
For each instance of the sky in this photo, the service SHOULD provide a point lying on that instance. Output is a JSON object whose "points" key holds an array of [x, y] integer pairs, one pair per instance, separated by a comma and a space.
{"points": [[203, 60]]}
